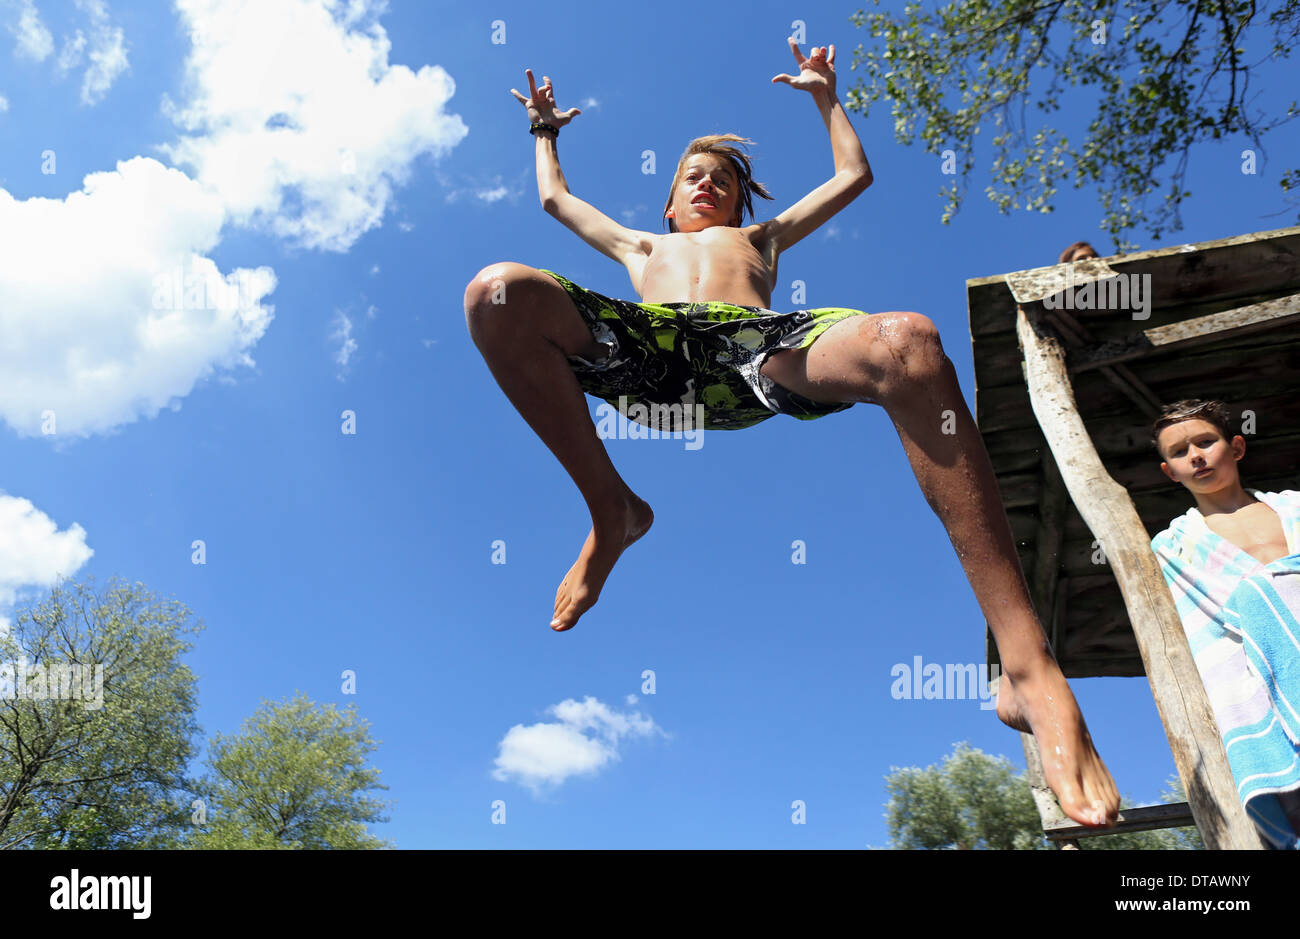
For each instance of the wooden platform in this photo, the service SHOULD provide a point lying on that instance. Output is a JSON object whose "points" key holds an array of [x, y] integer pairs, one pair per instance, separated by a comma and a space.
{"points": [[1122, 369], [1072, 365]]}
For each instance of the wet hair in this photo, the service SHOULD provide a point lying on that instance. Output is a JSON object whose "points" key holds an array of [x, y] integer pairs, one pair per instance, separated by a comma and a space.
{"points": [[740, 165], [1213, 412], [1065, 255]]}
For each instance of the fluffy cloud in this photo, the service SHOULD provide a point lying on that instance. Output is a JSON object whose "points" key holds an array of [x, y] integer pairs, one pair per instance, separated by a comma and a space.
{"points": [[31, 39], [33, 552], [584, 738], [291, 119], [296, 119], [111, 309]]}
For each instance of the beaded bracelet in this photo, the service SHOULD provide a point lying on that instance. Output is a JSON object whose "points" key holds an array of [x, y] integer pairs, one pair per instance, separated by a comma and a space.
{"points": [[534, 128]]}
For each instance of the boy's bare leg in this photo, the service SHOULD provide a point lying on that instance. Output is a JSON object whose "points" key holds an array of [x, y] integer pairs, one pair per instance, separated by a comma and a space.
{"points": [[897, 361], [525, 341]]}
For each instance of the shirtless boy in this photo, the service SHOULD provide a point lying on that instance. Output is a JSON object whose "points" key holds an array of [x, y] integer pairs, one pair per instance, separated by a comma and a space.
{"points": [[1205, 555], [704, 334]]}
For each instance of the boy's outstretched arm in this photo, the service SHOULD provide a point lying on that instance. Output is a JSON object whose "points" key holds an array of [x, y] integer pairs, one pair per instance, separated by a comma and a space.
{"points": [[852, 172], [587, 222]]}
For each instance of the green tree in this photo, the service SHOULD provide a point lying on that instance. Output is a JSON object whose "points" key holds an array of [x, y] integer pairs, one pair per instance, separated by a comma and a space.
{"points": [[84, 765], [295, 777], [978, 801], [1161, 89]]}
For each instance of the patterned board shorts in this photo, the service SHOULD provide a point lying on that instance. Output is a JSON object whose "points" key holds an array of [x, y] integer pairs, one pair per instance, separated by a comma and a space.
{"points": [[672, 362]]}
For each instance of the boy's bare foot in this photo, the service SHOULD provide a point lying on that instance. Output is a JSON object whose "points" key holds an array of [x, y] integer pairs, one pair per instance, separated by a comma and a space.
{"points": [[1044, 706], [610, 535]]}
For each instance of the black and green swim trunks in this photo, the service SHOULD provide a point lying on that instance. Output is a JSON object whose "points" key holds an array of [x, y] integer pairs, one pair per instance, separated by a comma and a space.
{"points": [[660, 355]]}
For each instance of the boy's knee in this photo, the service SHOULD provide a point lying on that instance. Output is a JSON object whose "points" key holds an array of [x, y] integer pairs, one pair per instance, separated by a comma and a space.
{"points": [[916, 330], [911, 349], [494, 290], [491, 286]]}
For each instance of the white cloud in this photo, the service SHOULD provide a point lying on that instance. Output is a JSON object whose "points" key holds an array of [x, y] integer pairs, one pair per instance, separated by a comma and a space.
{"points": [[484, 192], [112, 311], [4, 104], [374, 269], [588, 103], [297, 120], [71, 54], [107, 53], [291, 118], [342, 334], [33, 552], [31, 39], [584, 738]]}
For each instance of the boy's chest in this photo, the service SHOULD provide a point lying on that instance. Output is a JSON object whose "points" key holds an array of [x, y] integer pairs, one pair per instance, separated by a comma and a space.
{"points": [[1255, 529]]}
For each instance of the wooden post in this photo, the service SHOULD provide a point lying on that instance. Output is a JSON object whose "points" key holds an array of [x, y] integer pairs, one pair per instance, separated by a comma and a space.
{"points": [[1109, 513]]}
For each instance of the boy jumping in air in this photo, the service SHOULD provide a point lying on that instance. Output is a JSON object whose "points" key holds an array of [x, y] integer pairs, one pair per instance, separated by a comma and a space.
{"points": [[704, 335]]}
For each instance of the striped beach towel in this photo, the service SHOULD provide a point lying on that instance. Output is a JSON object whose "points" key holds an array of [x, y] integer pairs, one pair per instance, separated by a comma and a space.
{"points": [[1203, 570]]}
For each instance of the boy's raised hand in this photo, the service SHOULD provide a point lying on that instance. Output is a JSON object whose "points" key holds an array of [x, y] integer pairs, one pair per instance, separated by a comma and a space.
{"points": [[541, 105], [816, 72]]}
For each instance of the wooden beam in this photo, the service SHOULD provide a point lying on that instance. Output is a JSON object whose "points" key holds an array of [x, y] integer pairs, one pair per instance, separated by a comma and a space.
{"points": [[1106, 508], [1257, 317], [1141, 818]]}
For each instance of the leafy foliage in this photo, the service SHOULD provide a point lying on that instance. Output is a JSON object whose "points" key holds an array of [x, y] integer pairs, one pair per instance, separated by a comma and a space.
{"points": [[295, 777], [1160, 91], [977, 801], [74, 775]]}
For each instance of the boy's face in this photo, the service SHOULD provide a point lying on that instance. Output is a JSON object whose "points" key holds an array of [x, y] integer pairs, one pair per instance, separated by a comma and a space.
{"points": [[1197, 455], [707, 194]]}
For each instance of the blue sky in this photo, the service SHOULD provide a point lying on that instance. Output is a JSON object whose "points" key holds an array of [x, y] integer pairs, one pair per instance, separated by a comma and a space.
{"points": [[349, 175]]}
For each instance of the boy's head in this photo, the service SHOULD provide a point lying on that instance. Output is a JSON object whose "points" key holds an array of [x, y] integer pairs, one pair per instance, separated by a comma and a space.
{"points": [[1077, 251], [713, 185], [1196, 444]]}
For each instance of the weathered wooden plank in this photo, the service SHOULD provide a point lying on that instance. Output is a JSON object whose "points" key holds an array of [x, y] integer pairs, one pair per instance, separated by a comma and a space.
{"points": [[1260, 317], [1139, 818], [997, 357], [1105, 506], [1240, 266]]}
